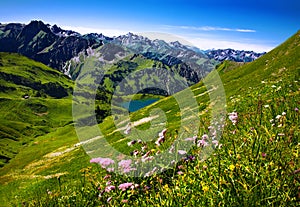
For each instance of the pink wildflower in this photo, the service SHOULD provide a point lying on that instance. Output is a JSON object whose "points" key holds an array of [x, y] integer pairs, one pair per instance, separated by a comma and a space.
{"points": [[106, 177], [192, 139], [125, 166], [125, 186], [109, 188], [181, 152], [180, 167], [233, 117], [202, 143], [205, 137], [104, 162], [215, 142]]}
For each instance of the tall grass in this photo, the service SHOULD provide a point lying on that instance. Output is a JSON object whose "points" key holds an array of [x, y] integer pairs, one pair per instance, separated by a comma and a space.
{"points": [[256, 165]]}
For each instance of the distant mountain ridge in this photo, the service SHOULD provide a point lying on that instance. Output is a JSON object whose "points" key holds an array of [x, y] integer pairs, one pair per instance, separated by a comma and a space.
{"points": [[55, 47], [234, 55]]}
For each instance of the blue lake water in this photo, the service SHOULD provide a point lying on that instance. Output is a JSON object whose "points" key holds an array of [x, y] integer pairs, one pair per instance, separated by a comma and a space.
{"points": [[135, 105]]}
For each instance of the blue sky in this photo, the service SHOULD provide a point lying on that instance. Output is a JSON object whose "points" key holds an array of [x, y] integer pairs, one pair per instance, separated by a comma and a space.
{"points": [[251, 25]]}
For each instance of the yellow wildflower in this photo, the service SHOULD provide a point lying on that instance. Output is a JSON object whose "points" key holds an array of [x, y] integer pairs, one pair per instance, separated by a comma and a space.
{"points": [[205, 188]]}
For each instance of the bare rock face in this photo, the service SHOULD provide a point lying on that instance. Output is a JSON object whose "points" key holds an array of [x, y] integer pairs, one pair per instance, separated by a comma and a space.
{"points": [[49, 45]]}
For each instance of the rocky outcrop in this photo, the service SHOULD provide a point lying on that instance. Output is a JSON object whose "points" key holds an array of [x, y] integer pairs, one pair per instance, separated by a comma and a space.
{"points": [[52, 46]]}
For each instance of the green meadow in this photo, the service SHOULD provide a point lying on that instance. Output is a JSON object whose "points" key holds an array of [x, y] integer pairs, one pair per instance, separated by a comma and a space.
{"points": [[255, 162]]}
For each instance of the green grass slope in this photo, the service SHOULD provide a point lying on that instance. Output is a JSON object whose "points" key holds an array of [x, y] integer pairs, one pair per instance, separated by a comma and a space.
{"points": [[257, 165], [34, 100], [21, 76]]}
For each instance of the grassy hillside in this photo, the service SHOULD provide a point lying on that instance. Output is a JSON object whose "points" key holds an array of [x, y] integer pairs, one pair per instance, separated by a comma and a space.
{"points": [[34, 100], [20, 76], [257, 163]]}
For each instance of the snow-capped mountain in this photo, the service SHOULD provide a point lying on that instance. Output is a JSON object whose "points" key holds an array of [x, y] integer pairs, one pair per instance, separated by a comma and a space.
{"points": [[234, 55]]}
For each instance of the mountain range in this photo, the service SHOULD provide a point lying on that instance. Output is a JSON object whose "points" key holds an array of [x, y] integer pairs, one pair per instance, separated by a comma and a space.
{"points": [[67, 52], [44, 164], [55, 47], [234, 55]]}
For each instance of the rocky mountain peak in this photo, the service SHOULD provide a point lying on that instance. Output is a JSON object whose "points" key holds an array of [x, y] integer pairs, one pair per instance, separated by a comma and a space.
{"points": [[234, 55]]}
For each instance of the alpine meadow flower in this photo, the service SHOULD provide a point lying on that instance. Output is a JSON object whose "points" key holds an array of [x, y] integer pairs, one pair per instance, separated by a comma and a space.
{"points": [[233, 117], [106, 177], [192, 139], [215, 142], [125, 186], [231, 167], [205, 137], [189, 158], [124, 165], [134, 186], [181, 152], [110, 169], [202, 143], [109, 188], [104, 162], [180, 167]]}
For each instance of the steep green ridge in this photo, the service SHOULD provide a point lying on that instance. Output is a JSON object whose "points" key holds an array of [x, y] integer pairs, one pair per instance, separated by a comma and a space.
{"points": [[34, 100], [256, 165], [21, 76]]}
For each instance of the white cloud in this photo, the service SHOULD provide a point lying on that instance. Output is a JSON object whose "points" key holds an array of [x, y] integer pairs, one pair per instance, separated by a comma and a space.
{"points": [[206, 43], [210, 28]]}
